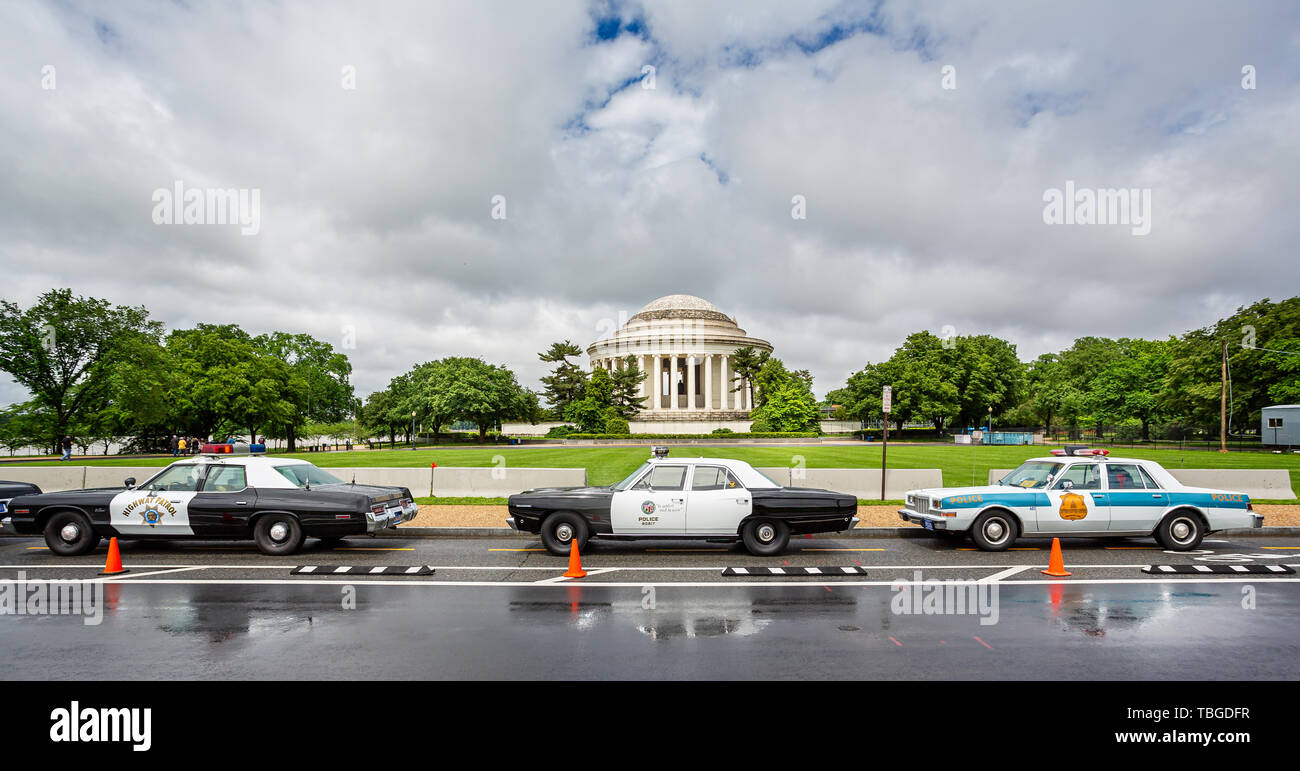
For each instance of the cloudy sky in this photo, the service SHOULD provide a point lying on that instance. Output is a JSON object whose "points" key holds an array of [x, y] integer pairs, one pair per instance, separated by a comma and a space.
{"points": [[379, 133]]}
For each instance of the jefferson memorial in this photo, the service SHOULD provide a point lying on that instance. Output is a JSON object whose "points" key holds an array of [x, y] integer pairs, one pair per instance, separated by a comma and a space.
{"points": [[685, 344]]}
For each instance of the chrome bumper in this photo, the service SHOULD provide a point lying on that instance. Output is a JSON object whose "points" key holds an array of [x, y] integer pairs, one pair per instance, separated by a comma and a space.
{"points": [[511, 522], [7, 526], [1257, 520], [852, 524], [927, 521], [390, 518]]}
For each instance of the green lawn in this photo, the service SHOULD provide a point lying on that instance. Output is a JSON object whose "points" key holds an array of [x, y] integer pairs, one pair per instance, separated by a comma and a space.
{"points": [[961, 465]]}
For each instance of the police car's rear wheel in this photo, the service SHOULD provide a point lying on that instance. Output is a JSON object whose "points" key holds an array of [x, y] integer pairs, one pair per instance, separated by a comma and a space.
{"points": [[994, 531], [765, 537], [1180, 531], [277, 534], [560, 530], [69, 534]]}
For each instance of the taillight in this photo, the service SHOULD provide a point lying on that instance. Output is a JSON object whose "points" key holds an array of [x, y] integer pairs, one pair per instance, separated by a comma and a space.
{"points": [[378, 508]]}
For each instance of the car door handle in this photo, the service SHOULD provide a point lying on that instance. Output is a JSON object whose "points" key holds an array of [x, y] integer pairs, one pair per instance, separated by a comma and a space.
{"points": [[1156, 495], [742, 500], [241, 503]]}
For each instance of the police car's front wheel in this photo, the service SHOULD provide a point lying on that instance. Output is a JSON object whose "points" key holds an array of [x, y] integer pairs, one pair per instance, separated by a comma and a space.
{"points": [[561, 530], [69, 534], [277, 534], [765, 537], [994, 531], [1180, 531]]}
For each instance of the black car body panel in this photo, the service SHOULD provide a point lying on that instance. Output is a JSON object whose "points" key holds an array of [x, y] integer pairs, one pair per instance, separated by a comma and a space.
{"points": [[324, 511], [530, 507]]}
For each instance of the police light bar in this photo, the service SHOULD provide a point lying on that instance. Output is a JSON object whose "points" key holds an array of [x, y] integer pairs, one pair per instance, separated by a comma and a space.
{"points": [[216, 448], [659, 452], [1083, 451]]}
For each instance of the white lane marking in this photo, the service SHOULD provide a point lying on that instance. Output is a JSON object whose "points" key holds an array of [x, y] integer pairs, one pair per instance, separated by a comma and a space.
{"points": [[814, 571], [741, 571], [950, 566], [342, 569], [120, 576], [1004, 574], [592, 572], [377, 569], [308, 569], [776, 571], [1166, 568], [638, 584]]}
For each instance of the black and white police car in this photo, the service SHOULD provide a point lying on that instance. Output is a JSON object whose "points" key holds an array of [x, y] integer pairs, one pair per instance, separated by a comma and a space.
{"points": [[717, 499], [277, 502]]}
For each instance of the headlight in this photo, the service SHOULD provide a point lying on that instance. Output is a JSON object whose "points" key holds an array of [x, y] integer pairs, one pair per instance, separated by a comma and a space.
{"points": [[911, 499], [937, 503]]}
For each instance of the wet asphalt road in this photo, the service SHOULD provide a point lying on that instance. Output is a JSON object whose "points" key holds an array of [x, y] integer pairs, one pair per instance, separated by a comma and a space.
{"points": [[499, 608]]}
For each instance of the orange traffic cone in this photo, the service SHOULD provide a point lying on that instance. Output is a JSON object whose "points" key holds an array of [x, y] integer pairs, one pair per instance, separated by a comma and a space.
{"points": [[1056, 565], [575, 561], [113, 565]]}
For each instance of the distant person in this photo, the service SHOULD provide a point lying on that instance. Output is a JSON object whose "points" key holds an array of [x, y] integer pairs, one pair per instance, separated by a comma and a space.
{"points": [[182, 446], [66, 444], [175, 445]]}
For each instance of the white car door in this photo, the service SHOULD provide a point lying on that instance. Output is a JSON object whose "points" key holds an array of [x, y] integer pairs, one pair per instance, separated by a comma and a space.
{"points": [[655, 505], [159, 507], [716, 502], [1082, 508]]}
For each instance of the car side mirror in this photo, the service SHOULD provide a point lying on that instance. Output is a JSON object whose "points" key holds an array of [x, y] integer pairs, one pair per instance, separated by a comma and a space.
{"points": [[130, 481]]}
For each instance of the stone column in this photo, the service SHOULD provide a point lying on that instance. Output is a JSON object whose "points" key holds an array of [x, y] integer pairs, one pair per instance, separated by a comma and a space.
{"points": [[708, 382], [691, 383], [672, 384], [656, 381]]}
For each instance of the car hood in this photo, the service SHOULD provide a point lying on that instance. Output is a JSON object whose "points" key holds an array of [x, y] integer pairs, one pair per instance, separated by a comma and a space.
{"points": [[948, 492], [590, 490]]}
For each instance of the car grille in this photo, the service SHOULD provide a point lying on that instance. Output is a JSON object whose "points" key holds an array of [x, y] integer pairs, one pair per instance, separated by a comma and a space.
{"points": [[922, 504]]}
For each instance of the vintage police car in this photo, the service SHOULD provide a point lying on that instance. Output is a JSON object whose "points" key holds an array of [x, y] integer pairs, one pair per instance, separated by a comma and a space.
{"points": [[1081, 492], [708, 498], [275, 501]]}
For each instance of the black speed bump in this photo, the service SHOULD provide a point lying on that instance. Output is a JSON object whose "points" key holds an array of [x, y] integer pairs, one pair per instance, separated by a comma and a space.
{"points": [[1194, 570], [362, 570], [796, 571]]}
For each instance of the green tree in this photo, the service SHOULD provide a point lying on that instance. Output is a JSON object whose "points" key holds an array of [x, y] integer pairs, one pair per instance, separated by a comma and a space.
{"points": [[484, 394], [625, 390], [62, 348], [745, 365], [591, 412], [1131, 385], [567, 380], [316, 380]]}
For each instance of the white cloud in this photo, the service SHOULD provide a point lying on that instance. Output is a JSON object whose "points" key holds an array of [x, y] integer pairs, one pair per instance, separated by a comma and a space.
{"points": [[924, 204]]}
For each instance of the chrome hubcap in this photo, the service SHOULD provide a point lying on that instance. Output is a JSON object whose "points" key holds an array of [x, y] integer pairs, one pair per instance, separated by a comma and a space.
{"points": [[995, 530], [70, 532], [564, 533], [766, 533], [279, 531], [1181, 530]]}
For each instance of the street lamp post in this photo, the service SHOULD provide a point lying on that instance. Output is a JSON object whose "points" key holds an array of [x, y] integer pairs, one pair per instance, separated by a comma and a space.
{"points": [[412, 429]]}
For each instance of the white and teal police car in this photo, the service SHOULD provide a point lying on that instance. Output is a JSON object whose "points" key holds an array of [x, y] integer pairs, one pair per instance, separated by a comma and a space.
{"points": [[1081, 492]]}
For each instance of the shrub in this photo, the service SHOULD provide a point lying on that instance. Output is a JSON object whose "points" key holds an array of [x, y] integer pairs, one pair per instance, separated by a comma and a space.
{"points": [[559, 432], [616, 424]]}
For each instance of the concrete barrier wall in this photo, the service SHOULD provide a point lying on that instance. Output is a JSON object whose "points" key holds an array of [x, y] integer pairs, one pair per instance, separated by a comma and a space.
{"points": [[1257, 483], [114, 476], [487, 482], [864, 483], [500, 481], [50, 479]]}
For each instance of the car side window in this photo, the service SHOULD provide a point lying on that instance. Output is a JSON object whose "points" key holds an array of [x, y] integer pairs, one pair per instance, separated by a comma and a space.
{"points": [[1152, 484], [1124, 476], [1084, 476], [664, 478], [713, 478], [225, 479], [182, 478]]}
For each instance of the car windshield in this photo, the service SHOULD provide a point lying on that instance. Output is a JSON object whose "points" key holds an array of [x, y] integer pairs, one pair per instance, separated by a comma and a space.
{"points": [[1031, 475], [303, 473], [630, 478]]}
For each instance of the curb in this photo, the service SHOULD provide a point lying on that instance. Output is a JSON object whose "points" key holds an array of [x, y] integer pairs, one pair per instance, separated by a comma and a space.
{"points": [[857, 532]]}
